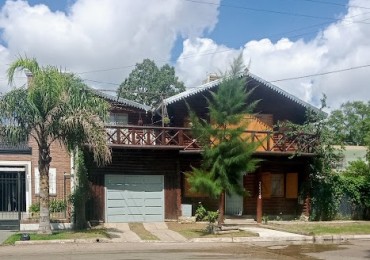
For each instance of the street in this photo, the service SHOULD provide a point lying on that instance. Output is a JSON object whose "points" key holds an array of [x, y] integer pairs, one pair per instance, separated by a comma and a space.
{"points": [[171, 251]]}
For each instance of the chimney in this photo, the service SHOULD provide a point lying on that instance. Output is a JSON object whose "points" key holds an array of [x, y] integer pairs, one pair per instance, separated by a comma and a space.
{"points": [[211, 77]]}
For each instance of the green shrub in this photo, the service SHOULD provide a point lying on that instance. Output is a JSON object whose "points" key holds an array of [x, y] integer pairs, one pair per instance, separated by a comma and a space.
{"points": [[35, 207], [55, 205], [212, 216], [200, 212]]}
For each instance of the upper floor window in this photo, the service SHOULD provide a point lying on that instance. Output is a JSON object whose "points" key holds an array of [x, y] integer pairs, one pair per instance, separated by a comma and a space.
{"points": [[118, 119]]}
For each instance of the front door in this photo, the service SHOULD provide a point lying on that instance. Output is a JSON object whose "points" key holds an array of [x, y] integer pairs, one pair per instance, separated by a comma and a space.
{"points": [[234, 204], [12, 197]]}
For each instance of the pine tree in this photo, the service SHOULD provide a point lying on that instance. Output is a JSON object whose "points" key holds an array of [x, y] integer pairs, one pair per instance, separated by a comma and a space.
{"points": [[227, 154]]}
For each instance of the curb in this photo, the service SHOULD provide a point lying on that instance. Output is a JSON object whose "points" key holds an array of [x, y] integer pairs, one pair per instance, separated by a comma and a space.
{"points": [[313, 239], [64, 241], [340, 238]]}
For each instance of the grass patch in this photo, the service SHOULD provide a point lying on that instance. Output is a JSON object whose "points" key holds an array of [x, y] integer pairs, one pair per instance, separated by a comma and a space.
{"points": [[139, 229], [82, 234], [195, 230], [328, 228]]}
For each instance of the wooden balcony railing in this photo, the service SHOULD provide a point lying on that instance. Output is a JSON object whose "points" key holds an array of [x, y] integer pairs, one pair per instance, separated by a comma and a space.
{"points": [[181, 138]]}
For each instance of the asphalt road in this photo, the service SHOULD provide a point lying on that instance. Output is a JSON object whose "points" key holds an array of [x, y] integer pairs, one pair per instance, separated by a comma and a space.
{"points": [[182, 251]]}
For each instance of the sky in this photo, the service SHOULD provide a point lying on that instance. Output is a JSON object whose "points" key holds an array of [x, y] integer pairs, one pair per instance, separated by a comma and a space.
{"points": [[306, 47]]}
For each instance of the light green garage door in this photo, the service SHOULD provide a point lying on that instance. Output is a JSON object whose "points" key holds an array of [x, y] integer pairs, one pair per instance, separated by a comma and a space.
{"points": [[134, 198]]}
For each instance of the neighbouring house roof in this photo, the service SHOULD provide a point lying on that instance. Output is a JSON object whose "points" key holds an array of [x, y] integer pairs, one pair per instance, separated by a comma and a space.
{"points": [[351, 153], [21, 148], [210, 85], [121, 101]]}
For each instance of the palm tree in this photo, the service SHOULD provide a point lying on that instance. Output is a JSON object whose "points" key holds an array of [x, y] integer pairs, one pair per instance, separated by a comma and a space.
{"points": [[56, 107], [229, 156]]}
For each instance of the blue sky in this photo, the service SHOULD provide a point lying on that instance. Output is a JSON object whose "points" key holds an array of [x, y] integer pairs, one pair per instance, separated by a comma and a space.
{"points": [[235, 15], [230, 29], [281, 39], [233, 28]]}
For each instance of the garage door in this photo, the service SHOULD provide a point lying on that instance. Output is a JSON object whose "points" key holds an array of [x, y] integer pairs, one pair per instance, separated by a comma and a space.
{"points": [[134, 198]]}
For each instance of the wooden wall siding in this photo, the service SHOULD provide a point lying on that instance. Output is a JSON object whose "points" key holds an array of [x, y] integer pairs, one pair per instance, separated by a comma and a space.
{"points": [[141, 162], [256, 124], [276, 205], [95, 205], [134, 115], [271, 103], [186, 161], [171, 186], [271, 206]]}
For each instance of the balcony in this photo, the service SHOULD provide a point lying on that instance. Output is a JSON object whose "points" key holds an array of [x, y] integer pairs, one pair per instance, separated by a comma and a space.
{"points": [[180, 138]]}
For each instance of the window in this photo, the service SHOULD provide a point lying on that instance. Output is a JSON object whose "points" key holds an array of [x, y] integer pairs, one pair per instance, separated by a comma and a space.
{"points": [[277, 185], [291, 185], [280, 185], [118, 119], [266, 185], [52, 181]]}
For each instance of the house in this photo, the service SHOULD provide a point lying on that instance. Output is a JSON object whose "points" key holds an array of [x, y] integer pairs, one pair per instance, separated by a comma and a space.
{"points": [[146, 181], [19, 180], [349, 154], [19, 175]]}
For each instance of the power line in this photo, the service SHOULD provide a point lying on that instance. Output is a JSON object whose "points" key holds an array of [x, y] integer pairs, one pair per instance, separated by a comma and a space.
{"points": [[211, 52], [160, 61], [278, 80], [267, 10], [214, 51], [336, 4], [322, 73]]}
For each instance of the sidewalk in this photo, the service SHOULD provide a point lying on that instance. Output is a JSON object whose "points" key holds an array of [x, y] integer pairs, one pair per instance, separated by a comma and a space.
{"points": [[121, 232], [4, 234]]}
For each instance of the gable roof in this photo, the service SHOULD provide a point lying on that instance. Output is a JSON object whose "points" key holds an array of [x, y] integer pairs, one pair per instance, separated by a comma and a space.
{"points": [[122, 101], [210, 85]]}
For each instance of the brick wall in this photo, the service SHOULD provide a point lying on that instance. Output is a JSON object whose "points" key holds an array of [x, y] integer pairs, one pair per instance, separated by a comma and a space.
{"points": [[60, 161]]}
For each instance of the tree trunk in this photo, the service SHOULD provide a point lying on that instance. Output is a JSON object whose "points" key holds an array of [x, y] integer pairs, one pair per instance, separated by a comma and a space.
{"points": [[221, 209], [80, 215], [44, 164], [81, 192]]}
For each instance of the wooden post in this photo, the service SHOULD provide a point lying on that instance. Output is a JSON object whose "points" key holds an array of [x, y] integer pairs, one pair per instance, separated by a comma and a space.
{"points": [[181, 137], [221, 208], [259, 200], [178, 188]]}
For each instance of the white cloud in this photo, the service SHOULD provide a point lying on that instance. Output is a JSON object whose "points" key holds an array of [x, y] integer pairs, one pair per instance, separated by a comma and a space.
{"points": [[103, 34], [201, 57], [343, 44], [96, 34]]}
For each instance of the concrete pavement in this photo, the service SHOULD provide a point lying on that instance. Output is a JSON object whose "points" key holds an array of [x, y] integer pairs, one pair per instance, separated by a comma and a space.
{"points": [[264, 232], [160, 230], [4, 234], [121, 232]]}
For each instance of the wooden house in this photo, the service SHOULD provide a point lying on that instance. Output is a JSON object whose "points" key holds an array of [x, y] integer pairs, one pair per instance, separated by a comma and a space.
{"points": [[146, 182]]}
